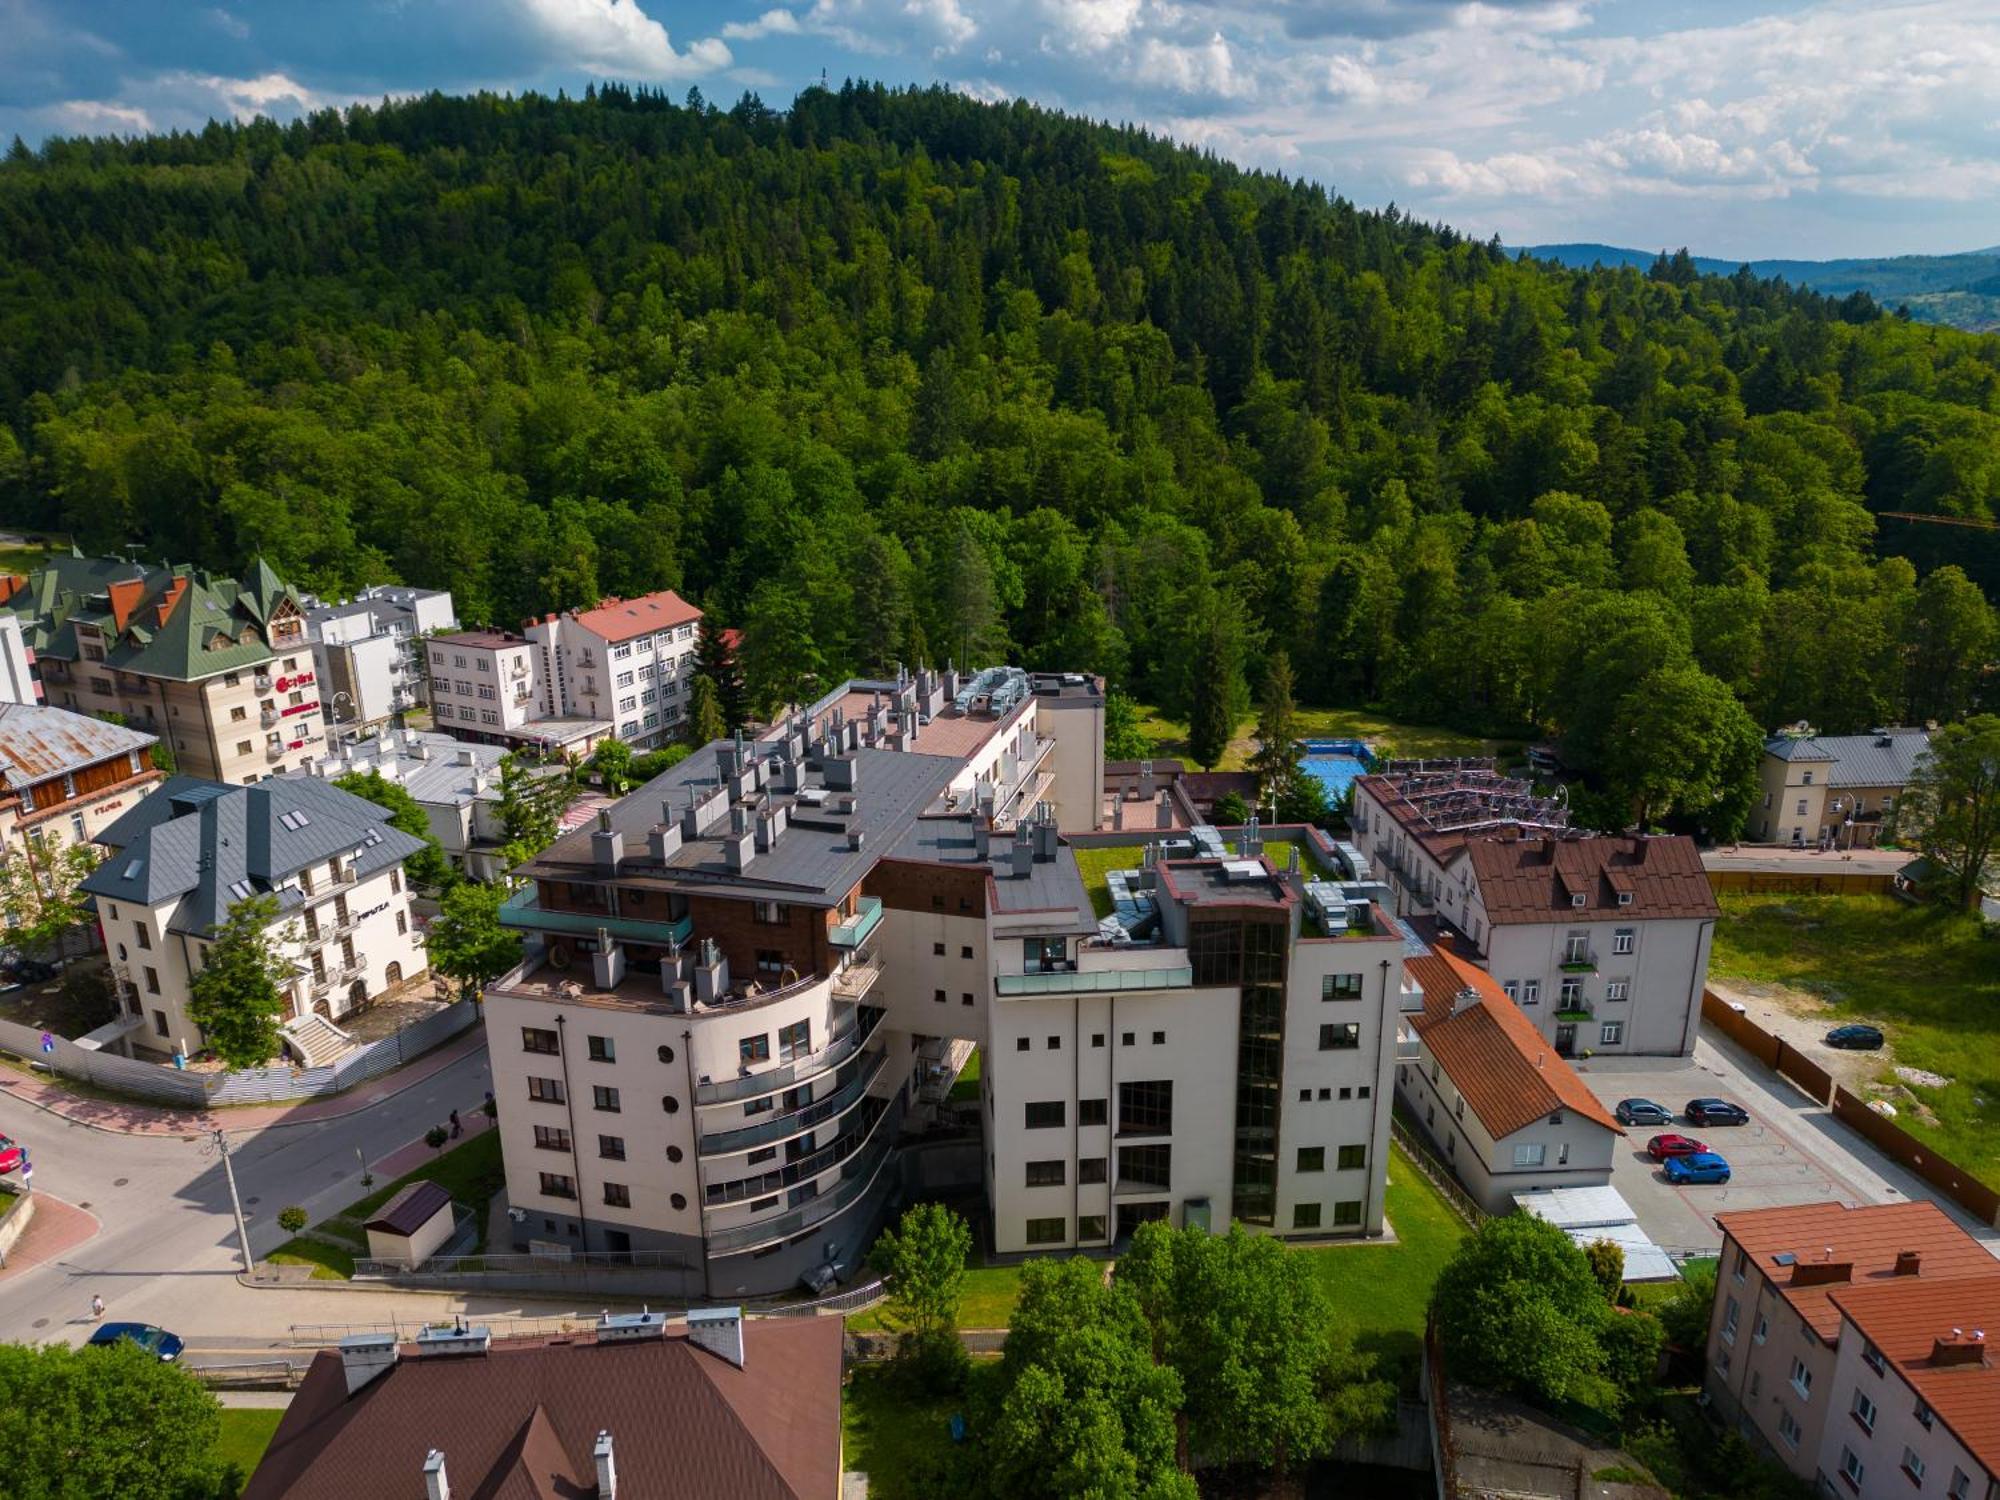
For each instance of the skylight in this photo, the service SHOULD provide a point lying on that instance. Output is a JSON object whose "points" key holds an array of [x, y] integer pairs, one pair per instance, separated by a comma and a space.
{"points": [[133, 867], [240, 889], [294, 820]]}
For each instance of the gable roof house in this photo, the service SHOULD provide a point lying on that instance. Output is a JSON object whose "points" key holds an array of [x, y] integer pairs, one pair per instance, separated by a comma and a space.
{"points": [[66, 777], [1834, 790]]}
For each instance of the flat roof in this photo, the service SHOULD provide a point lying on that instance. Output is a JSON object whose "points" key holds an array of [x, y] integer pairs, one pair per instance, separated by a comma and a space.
{"points": [[486, 639]]}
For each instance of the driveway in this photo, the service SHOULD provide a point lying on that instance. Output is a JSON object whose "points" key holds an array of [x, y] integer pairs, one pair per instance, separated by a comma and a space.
{"points": [[1792, 1151]]}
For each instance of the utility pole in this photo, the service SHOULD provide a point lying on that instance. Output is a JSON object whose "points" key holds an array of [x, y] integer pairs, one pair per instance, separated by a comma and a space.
{"points": [[235, 1203]]}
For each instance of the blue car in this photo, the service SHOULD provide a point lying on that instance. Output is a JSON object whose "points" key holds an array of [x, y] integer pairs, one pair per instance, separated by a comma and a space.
{"points": [[1701, 1166], [153, 1340]]}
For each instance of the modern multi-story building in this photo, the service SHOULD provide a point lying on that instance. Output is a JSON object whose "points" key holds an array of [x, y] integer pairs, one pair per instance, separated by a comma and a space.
{"points": [[218, 668], [1783, 1349], [187, 854], [456, 784], [66, 777], [1834, 790], [488, 686], [627, 661], [736, 982], [1602, 940], [368, 651]]}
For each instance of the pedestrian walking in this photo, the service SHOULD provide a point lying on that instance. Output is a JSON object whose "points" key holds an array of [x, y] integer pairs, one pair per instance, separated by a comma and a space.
{"points": [[456, 1128], [96, 1307]]}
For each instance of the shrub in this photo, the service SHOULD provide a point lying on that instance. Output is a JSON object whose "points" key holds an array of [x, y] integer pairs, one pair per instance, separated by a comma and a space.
{"points": [[292, 1219], [436, 1136]]}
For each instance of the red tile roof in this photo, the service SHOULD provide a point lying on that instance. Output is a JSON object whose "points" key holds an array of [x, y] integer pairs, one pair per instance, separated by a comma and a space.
{"points": [[521, 1421], [622, 619], [1505, 1068], [1866, 1240], [1534, 880], [1913, 1325]]}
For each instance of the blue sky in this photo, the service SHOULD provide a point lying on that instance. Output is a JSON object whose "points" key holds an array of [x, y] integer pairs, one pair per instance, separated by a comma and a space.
{"points": [[1803, 128]]}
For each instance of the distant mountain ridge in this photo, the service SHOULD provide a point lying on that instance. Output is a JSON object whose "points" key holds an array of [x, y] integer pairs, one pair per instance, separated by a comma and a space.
{"points": [[1962, 290]]}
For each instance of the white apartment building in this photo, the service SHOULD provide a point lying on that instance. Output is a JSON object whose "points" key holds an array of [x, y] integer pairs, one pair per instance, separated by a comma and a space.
{"points": [[64, 777], [626, 662], [736, 983], [488, 686], [456, 784], [368, 651], [17, 664], [1779, 1344], [191, 851], [1602, 940]]}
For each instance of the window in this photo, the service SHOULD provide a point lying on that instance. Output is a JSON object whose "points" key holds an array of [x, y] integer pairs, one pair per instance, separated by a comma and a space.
{"points": [[1045, 1114], [611, 1147], [1159, 1039], [1097, 1039], [1352, 1159], [768, 913], [1788, 1428], [1145, 1167], [1055, 1044], [937, 951], [1924, 1415], [1531, 992], [1611, 1033], [1801, 1378], [754, 1049], [1340, 987], [938, 996], [1146, 1108], [1913, 1465], [141, 936], [1305, 1216], [1127, 1038], [965, 950], [1022, 1044], [238, 714], [556, 1185], [1530, 1154], [1617, 989], [1864, 1411], [1572, 993], [1046, 1231], [551, 1138], [1046, 1173], [795, 1040], [1339, 1036], [604, 1098], [1872, 1357], [1091, 1111], [617, 1195], [602, 1049], [1742, 1264], [1090, 1169], [1312, 1158], [1763, 1329], [624, 679], [1347, 1215], [1091, 1227], [1623, 939], [1850, 1467], [152, 980], [1961, 1485]]}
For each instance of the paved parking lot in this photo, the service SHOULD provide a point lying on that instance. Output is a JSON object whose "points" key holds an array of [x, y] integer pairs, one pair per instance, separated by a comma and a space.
{"points": [[1792, 1151]]}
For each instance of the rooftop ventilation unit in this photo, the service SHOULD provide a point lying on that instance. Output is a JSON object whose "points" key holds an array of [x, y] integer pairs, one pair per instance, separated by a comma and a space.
{"points": [[458, 1339], [630, 1328]]}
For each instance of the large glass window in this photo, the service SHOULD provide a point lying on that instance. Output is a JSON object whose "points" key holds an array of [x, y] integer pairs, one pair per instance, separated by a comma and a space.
{"points": [[1046, 1173], [1045, 1114], [1144, 1108], [1046, 1231], [1145, 1167]]}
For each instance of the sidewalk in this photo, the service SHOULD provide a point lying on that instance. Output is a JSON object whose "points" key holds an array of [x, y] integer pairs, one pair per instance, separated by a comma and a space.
{"points": [[56, 1229], [121, 1118]]}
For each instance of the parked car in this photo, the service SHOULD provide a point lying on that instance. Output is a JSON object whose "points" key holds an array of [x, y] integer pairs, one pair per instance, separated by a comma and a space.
{"points": [[1856, 1037], [1715, 1112], [1702, 1166], [1660, 1147], [1643, 1112], [148, 1337], [12, 1155]]}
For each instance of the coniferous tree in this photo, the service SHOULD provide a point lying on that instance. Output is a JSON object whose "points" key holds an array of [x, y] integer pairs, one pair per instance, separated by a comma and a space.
{"points": [[716, 660]]}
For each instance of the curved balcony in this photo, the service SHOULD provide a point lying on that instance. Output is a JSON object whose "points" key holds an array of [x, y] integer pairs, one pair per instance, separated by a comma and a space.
{"points": [[721, 1195], [842, 1046], [520, 911], [798, 1121], [857, 1178]]}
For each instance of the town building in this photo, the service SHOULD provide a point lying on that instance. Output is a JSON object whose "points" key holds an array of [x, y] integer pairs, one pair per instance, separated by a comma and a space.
{"points": [[1502, 1107], [186, 855], [1834, 791], [18, 683], [490, 687], [720, 1406], [1602, 940], [64, 777], [628, 662], [455, 783], [1779, 1366], [739, 983], [218, 668], [369, 653]]}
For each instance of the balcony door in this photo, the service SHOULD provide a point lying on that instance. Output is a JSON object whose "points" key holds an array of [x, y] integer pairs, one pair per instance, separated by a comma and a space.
{"points": [[1565, 1039]]}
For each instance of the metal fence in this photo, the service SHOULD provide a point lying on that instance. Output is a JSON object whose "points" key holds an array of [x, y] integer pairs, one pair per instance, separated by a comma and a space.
{"points": [[1439, 1175], [860, 1298]]}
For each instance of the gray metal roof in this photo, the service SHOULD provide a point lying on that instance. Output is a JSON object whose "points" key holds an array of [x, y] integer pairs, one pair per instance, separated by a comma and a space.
{"points": [[1054, 886], [214, 844], [1884, 757], [432, 767], [37, 742]]}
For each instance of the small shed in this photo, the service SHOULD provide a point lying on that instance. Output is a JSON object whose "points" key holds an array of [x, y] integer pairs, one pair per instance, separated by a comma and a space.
{"points": [[1588, 1214], [410, 1226]]}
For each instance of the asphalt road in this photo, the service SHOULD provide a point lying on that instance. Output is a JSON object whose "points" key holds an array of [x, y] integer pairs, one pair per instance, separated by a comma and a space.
{"points": [[166, 1252]]}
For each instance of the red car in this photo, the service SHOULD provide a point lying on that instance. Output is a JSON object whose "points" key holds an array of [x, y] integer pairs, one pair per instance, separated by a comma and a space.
{"points": [[12, 1154], [1660, 1147]]}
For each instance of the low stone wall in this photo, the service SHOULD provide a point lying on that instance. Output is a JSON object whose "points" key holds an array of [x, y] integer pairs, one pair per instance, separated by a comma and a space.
{"points": [[20, 1212]]}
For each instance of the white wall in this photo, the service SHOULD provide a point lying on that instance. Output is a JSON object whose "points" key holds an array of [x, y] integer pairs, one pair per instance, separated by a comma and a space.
{"points": [[1896, 1429]]}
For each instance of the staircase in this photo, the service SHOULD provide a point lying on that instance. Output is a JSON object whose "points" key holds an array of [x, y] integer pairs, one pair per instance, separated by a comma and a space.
{"points": [[317, 1040]]}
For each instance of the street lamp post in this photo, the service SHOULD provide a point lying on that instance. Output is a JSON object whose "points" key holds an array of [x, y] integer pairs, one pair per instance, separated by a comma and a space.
{"points": [[235, 1202]]}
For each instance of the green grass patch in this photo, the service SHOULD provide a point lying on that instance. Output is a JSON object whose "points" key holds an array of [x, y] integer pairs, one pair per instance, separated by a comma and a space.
{"points": [[987, 1301], [22, 559], [965, 1087], [246, 1433], [1382, 1291], [898, 1437], [1922, 973], [329, 1262], [1168, 737], [1095, 864], [471, 1172]]}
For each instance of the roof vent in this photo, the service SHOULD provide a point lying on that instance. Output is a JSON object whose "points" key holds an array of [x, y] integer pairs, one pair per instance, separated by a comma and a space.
{"points": [[607, 1467], [1909, 1262], [436, 1486], [630, 1328], [854, 837], [457, 1339], [365, 1357], [719, 1330]]}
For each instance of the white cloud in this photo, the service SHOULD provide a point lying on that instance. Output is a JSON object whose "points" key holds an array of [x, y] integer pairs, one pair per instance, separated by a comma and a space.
{"points": [[1090, 25], [1207, 68], [618, 37], [229, 25], [944, 19], [101, 116], [771, 23]]}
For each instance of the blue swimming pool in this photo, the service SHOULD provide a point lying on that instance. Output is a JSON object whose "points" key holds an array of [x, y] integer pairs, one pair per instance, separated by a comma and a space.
{"points": [[1335, 764]]}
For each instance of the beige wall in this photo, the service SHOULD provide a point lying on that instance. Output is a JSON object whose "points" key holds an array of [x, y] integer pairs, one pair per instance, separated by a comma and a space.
{"points": [[1895, 1429], [1749, 1376], [1777, 818], [412, 1250]]}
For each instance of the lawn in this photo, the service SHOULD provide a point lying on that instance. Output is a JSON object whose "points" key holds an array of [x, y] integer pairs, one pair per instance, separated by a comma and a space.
{"points": [[965, 1088], [246, 1433], [899, 1439], [987, 1301], [22, 559], [1095, 864], [1168, 737], [1922, 973], [472, 1173]]}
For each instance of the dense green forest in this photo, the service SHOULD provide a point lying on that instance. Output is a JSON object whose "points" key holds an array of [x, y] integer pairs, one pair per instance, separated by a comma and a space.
{"points": [[901, 375]]}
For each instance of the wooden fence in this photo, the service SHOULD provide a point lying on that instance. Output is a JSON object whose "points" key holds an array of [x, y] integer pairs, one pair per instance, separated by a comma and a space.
{"points": [[1828, 882], [1774, 1052]]}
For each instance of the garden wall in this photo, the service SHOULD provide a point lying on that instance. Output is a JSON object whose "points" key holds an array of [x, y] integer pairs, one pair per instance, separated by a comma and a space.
{"points": [[1967, 1191], [1829, 882]]}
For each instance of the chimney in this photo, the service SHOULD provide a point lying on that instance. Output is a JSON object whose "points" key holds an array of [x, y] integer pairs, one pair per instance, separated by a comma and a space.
{"points": [[365, 1357], [607, 1467], [854, 838], [719, 1330], [1023, 852], [607, 964], [1956, 1349], [711, 973], [607, 845], [468, 756], [1822, 1272], [436, 1486], [738, 850], [1909, 1262], [982, 837]]}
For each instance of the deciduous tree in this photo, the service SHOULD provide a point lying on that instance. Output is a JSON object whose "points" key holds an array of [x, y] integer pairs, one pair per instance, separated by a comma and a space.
{"points": [[234, 997], [923, 1257], [1952, 805], [38, 890], [465, 941], [1518, 1310]]}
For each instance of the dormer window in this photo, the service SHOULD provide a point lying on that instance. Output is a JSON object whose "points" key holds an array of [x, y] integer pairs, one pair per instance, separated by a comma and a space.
{"points": [[1576, 899], [1624, 898]]}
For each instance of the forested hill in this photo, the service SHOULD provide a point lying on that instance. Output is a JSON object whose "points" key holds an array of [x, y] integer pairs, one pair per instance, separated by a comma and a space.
{"points": [[902, 375]]}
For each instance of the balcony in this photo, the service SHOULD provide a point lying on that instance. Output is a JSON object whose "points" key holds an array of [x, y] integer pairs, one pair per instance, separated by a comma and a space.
{"points": [[274, 750], [722, 1195], [1578, 961], [798, 1121], [855, 930], [1096, 981], [1575, 1013], [344, 972], [855, 981], [267, 717], [520, 911], [261, 682], [772, 1080], [857, 1177]]}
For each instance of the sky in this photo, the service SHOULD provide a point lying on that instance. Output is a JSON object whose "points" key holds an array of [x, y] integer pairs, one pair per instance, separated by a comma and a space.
{"points": [[1740, 128]]}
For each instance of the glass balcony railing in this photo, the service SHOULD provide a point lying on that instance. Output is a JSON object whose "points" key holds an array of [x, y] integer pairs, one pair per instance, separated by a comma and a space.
{"points": [[855, 930], [796, 1122], [1096, 981], [520, 911], [838, 1049], [856, 1179]]}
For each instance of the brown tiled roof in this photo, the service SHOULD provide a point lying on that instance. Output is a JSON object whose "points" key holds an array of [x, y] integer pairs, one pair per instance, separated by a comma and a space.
{"points": [[622, 619], [1912, 1323], [1497, 1059], [1866, 1240], [1533, 880], [520, 1422], [410, 1209]]}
